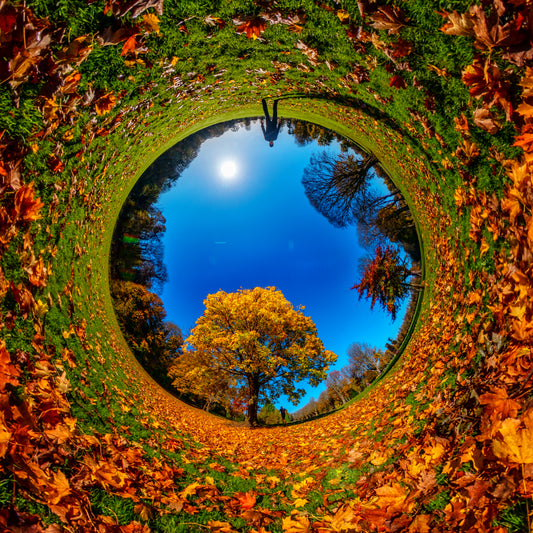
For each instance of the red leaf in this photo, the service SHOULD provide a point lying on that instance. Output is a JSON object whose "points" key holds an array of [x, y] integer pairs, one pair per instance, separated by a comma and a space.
{"points": [[397, 81]]}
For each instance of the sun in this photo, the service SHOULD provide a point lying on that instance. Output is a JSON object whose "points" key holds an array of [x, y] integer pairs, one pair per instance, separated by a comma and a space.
{"points": [[228, 169]]}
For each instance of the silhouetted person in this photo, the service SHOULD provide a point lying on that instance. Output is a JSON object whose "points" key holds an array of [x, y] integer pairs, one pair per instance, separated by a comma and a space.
{"points": [[283, 413], [271, 131]]}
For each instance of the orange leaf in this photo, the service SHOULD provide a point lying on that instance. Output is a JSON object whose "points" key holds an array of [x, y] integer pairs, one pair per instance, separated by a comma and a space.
{"points": [[26, 206], [220, 527], [253, 27], [8, 372], [129, 45], [499, 404], [5, 435], [57, 488], [105, 103], [246, 499]]}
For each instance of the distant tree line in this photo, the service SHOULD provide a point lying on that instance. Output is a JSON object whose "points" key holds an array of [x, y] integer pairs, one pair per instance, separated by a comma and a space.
{"points": [[365, 364], [137, 269]]}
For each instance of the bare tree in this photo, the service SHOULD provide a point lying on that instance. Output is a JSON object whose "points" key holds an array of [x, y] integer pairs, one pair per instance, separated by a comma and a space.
{"points": [[338, 187], [337, 383], [365, 362]]}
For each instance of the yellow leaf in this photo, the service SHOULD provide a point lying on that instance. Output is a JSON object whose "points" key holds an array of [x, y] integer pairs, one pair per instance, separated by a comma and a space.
{"points": [[484, 246], [273, 481], [296, 524], [516, 443], [220, 527], [189, 490], [343, 15], [39, 309], [58, 488], [300, 502], [143, 511], [150, 23]]}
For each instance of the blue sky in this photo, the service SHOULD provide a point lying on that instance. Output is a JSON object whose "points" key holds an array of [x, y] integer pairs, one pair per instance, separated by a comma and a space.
{"points": [[252, 225]]}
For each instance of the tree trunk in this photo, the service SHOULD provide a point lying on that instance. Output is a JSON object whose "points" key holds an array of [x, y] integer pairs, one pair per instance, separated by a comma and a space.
{"points": [[253, 387]]}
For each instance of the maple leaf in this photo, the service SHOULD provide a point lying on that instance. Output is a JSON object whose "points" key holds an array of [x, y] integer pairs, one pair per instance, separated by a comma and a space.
{"points": [[484, 119], [397, 81], [343, 518], [489, 33], [499, 405], [105, 103], [190, 490], [459, 24], [76, 52], [392, 497], [24, 298], [343, 15], [525, 141], [420, 524], [296, 523], [55, 164], [527, 83], [25, 46], [252, 27], [57, 488], [467, 151], [26, 207], [144, 511], [389, 18], [514, 442], [37, 272], [246, 499], [300, 502], [39, 310], [150, 23], [485, 81], [210, 20], [129, 46], [427, 481]]}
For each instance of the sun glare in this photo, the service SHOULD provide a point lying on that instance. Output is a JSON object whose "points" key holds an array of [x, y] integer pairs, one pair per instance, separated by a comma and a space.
{"points": [[228, 169]]}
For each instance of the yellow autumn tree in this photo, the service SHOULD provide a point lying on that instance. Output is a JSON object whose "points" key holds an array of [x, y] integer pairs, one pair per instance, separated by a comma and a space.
{"points": [[253, 342]]}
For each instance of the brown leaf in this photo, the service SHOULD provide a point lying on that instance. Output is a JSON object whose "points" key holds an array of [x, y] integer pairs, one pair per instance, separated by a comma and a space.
{"points": [[459, 24], [397, 81], [24, 298], [390, 18], [488, 31], [105, 103], [137, 7], [76, 52], [311, 53], [485, 120]]}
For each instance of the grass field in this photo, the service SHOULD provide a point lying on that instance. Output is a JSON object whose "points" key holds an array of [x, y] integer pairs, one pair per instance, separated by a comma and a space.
{"points": [[92, 93]]}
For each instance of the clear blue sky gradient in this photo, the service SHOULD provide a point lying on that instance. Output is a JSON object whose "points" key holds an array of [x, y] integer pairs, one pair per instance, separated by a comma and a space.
{"points": [[257, 228]]}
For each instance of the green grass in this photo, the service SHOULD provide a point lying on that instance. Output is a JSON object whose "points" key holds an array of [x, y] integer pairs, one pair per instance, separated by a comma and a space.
{"points": [[161, 116]]}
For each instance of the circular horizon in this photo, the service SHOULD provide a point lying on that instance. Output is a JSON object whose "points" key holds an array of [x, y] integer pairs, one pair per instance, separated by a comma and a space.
{"points": [[261, 230]]}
